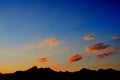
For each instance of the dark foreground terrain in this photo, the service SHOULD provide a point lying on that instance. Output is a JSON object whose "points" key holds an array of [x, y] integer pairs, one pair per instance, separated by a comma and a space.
{"points": [[47, 74]]}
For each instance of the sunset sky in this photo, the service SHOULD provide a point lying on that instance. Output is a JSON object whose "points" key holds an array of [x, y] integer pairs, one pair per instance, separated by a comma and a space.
{"points": [[60, 34]]}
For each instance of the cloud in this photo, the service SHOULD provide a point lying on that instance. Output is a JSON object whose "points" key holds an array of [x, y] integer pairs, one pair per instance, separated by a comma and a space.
{"points": [[30, 47], [116, 38], [112, 49], [67, 48], [75, 57], [100, 56], [107, 52], [50, 42], [89, 37], [96, 47], [46, 43], [43, 60]]}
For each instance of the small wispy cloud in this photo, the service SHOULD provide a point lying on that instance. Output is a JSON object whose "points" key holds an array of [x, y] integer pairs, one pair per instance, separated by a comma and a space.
{"points": [[89, 37], [43, 60], [103, 55], [30, 47], [46, 43], [112, 49], [117, 38], [50, 42], [75, 57], [67, 48], [96, 47], [107, 52]]}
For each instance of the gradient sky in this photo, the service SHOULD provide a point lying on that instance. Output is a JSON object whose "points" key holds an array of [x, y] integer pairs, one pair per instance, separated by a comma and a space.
{"points": [[48, 33]]}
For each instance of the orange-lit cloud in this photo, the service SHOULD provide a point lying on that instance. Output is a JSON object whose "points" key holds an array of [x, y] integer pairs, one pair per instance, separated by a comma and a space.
{"points": [[47, 43], [96, 47], [75, 57], [116, 38], [43, 60], [89, 37]]}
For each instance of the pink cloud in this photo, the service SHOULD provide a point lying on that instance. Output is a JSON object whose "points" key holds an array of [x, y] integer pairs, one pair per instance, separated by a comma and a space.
{"points": [[75, 57]]}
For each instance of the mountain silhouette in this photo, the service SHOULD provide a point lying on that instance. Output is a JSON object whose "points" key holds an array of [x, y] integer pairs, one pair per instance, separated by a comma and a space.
{"points": [[35, 73]]}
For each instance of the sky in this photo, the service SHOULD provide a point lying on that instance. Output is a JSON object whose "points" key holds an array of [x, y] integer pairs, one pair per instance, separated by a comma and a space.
{"points": [[65, 35]]}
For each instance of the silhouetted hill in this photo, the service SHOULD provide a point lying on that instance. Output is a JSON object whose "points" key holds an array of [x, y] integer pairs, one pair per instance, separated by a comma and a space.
{"points": [[35, 73]]}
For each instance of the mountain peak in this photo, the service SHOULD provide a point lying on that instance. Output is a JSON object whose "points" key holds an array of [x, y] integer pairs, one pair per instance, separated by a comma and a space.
{"points": [[33, 68]]}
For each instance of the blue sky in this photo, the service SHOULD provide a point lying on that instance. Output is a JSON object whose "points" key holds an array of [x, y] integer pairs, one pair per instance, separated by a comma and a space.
{"points": [[28, 22]]}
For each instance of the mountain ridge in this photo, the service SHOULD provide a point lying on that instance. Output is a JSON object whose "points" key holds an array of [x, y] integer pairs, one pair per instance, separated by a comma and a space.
{"points": [[36, 73]]}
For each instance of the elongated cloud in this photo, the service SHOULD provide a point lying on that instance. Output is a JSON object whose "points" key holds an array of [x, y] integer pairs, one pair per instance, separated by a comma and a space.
{"points": [[100, 56], [47, 43], [50, 42], [112, 49], [107, 52], [116, 38], [89, 37], [96, 47], [43, 60], [75, 57], [30, 47]]}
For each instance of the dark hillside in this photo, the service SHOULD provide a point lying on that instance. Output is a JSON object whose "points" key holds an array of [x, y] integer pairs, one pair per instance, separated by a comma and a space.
{"points": [[35, 73]]}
